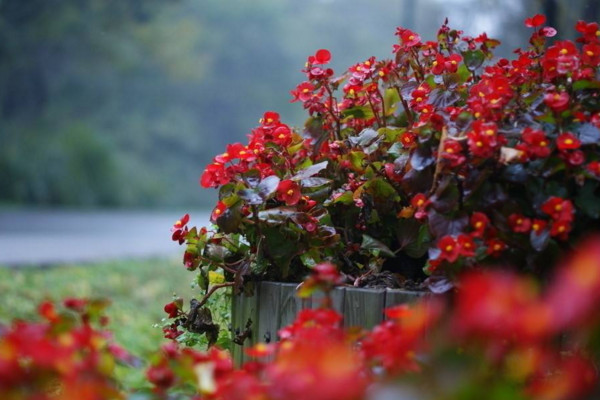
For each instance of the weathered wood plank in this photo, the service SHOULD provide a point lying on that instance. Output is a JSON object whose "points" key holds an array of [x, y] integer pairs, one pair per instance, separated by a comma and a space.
{"points": [[363, 307], [275, 305], [268, 312], [290, 304], [244, 308], [337, 299], [394, 297]]}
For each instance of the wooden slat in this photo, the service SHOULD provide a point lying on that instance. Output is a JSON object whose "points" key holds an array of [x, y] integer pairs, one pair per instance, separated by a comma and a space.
{"points": [[275, 305], [244, 308], [290, 304], [268, 311], [394, 297], [363, 307], [337, 299]]}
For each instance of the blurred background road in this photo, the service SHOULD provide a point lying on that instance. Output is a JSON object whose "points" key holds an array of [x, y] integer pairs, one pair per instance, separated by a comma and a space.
{"points": [[47, 237]]}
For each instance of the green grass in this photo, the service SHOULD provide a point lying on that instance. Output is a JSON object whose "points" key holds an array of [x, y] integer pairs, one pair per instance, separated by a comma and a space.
{"points": [[137, 290]]}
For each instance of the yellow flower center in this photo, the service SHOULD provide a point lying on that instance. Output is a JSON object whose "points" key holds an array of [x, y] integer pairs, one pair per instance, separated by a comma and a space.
{"points": [[381, 73], [449, 248], [290, 192], [479, 144], [568, 141], [497, 247], [489, 132], [564, 51]]}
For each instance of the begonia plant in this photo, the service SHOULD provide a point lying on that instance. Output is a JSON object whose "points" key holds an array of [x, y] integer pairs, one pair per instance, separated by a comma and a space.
{"points": [[442, 159]]}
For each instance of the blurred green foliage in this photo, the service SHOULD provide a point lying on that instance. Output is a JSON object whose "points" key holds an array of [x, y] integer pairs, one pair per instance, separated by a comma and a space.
{"points": [[123, 102], [137, 291]]}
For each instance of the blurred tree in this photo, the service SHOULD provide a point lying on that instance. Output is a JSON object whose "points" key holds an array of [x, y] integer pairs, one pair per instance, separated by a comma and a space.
{"points": [[123, 102]]}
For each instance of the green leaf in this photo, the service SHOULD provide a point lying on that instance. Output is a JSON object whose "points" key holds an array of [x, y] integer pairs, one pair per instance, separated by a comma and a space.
{"points": [[382, 189], [308, 259], [356, 158], [281, 249], [585, 84], [463, 73], [375, 247], [231, 201], [391, 100], [226, 190], [588, 200], [473, 59], [202, 280], [396, 149], [418, 247], [345, 198], [390, 134], [362, 112], [230, 220]]}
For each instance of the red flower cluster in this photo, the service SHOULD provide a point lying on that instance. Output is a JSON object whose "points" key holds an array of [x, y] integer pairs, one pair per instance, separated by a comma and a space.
{"points": [[496, 322], [561, 212], [180, 229], [65, 352]]}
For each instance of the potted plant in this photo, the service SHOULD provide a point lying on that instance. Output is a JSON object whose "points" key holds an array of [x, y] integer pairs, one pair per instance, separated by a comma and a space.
{"points": [[410, 170]]}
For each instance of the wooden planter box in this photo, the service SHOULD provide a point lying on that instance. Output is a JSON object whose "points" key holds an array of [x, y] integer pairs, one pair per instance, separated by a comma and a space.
{"points": [[275, 305]]}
